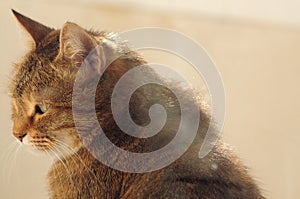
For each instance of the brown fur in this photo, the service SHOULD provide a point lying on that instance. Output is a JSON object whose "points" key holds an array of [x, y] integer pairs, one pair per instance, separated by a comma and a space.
{"points": [[46, 76]]}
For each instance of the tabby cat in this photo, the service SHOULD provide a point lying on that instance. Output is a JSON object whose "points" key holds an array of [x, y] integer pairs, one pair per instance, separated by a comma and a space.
{"points": [[41, 91]]}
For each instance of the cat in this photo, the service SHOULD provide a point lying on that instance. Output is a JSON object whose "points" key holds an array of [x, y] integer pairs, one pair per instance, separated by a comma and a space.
{"points": [[41, 90]]}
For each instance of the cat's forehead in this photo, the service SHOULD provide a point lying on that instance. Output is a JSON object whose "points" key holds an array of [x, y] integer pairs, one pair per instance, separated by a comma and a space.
{"points": [[34, 76], [40, 88]]}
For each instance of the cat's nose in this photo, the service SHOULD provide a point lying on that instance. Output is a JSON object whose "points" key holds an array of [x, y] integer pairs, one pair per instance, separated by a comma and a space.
{"points": [[19, 135]]}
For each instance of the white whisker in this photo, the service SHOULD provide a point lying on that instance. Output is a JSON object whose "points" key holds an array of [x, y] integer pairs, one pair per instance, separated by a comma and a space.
{"points": [[53, 149], [8, 157], [75, 155]]}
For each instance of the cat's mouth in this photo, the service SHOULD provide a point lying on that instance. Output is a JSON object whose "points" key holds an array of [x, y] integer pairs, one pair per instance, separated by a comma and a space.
{"points": [[40, 143], [55, 146]]}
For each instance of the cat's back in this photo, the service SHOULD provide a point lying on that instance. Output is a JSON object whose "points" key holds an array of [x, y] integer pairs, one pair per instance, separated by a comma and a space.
{"points": [[219, 175]]}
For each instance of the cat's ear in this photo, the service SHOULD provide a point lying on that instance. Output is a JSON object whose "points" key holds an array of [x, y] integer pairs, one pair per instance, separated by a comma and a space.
{"points": [[36, 31], [75, 42]]}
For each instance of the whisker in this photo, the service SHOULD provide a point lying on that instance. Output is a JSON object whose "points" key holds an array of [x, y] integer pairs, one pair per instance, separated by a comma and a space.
{"points": [[68, 148], [8, 159], [19, 146], [53, 149], [58, 172], [73, 155]]}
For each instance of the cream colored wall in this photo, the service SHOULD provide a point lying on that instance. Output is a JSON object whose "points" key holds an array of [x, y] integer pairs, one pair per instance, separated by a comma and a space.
{"points": [[259, 64], [270, 11]]}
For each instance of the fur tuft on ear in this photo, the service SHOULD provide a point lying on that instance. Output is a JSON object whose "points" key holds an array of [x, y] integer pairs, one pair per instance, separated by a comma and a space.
{"points": [[75, 42], [36, 30]]}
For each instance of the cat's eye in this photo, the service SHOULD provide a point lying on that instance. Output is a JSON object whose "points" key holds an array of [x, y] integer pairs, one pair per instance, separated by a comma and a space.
{"points": [[41, 109]]}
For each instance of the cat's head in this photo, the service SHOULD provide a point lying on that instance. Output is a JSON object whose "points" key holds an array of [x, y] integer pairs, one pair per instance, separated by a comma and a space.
{"points": [[42, 83]]}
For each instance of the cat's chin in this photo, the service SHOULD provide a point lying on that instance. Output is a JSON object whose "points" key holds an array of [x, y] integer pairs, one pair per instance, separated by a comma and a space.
{"points": [[34, 151], [53, 154]]}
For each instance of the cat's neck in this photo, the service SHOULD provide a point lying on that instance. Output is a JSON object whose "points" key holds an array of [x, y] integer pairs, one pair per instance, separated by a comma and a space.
{"points": [[81, 171]]}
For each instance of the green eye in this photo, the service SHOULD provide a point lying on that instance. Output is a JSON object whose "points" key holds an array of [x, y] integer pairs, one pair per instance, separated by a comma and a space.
{"points": [[43, 108]]}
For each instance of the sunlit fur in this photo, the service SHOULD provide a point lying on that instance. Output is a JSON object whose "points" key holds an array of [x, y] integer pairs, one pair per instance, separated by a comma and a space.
{"points": [[45, 75]]}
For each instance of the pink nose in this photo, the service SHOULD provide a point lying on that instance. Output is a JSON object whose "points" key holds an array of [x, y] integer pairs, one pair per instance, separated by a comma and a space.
{"points": [[19, 135]]}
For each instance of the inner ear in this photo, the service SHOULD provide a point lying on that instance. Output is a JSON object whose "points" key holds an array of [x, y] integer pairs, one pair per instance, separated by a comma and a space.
{"points": [[75, 42], [36, 30]]}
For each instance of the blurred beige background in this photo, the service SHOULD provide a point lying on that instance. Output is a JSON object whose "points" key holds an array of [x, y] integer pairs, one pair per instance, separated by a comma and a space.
{"points": [[256, 46]]}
